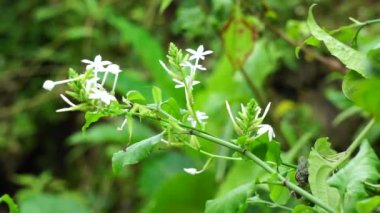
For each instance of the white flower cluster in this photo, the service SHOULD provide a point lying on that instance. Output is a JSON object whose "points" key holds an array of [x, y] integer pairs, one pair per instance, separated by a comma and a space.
{"points": [[261, 128], [264, 128], [93, 88], [189, 80]]}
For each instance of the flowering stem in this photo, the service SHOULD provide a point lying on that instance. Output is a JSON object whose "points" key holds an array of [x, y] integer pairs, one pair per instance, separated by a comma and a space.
{"points": [[254, 158], [264, 165]]}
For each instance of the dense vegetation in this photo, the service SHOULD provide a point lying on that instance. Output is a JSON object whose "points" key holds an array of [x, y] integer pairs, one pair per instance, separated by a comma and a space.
{"points": [[215, 106]]}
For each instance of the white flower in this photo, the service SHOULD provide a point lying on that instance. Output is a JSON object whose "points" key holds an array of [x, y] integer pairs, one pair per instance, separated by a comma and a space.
{"points": [[199, 53], [265, 128], [192, 171], [189, 82], [102, 95], [200, 117], [193, 66], [97, 65], [49, 84]]}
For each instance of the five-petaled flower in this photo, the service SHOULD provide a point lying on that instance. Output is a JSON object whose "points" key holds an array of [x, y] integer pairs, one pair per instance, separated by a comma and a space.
{"points": [[199, 53], [97, 65], [200, 116], [101, 95]]}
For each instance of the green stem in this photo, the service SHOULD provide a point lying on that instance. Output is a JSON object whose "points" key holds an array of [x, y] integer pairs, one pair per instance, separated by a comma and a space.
{"points": [[360, 137], [358, 140], [254, 158], [265, 166]]}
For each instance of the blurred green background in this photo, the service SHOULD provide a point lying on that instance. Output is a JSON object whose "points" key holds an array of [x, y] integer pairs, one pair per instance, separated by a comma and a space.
{"points": [[48, 165]]}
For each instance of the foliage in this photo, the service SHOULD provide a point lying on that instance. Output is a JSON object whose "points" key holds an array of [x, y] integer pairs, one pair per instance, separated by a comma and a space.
{"points": [[215, 127]]}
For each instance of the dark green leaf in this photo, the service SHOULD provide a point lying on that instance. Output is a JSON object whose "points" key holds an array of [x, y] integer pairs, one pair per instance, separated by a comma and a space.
{"points": [[182, 193], [368, 205], [351, 58], [278, 194], [134, 153], [171, 106], [136, 96], [303, 209], [91, 117], [349, 180], [233, 201], [321, 163], [44, 202]]}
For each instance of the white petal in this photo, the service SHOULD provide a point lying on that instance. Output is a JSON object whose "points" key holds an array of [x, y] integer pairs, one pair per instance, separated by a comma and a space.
{"points": [[67, 100], [48, 85], [191, 171]]}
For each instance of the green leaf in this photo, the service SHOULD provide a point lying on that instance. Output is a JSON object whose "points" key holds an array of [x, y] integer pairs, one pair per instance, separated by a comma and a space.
{"points": [[322, 161], [44, 202], [265, 149], [350, 57], [263, 60], [278, 194], [233, 201], [91, 117], [242, 172], [136, 96], [368, 205], [303, 209], [366, 97], [157, 95], [171, 106], [165, 166], [182, 193], [134, 153], [13, 208], [350, 83], [349, 180], [238, 40]]}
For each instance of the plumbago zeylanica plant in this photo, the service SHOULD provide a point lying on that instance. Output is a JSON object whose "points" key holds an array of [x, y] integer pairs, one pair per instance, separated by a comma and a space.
{"points": [[328, 181]]}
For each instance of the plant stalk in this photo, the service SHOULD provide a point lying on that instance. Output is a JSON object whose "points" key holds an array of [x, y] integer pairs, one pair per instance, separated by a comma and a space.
{"points": [[265, 166]]}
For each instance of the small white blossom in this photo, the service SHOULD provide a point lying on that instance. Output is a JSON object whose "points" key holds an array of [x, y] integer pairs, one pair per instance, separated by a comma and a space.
{"points": [[49, 84], [97, 65], [199, 53], [189, 82], [102, 95], [201, 116], [193, 67], [266, 128], [192, 171]]}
